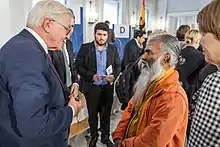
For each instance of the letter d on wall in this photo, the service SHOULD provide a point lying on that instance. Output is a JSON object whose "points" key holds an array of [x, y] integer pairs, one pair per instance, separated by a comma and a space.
{"points": [[122, 30]]}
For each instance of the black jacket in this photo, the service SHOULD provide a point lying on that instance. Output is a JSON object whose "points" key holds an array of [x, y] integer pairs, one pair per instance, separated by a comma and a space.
{"points": [[59, 63], [131, 53], [207, 70], [86, 63], [188, 72]]}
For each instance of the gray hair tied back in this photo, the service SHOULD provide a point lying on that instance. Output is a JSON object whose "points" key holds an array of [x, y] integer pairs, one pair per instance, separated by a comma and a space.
{"points": [[181, 61], [170, 44]]}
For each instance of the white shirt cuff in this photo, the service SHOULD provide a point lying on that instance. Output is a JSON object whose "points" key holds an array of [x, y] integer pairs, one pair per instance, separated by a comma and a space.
{"points": [[76, 84], [72, 110]]}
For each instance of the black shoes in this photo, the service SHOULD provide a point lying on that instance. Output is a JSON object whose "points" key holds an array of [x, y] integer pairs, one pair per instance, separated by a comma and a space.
{"points": [[104, 139], [107, 142], [93, 142]]}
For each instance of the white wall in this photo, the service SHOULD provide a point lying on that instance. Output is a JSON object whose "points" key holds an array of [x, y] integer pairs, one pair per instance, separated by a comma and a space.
{"points": [[183, 5], [111, 12], [5, 25], [14, 14], [166, 8], [151, 6], [97, 6], [75, 6], [161, 14], [19, 11], [186, 5]]}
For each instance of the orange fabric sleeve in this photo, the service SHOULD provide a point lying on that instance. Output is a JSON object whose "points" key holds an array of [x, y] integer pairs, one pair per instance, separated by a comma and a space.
{"points": [[122, 125], [168, 115]]}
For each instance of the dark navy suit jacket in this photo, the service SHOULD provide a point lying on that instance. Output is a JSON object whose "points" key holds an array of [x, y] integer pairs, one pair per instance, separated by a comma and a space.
{"points": [[33, 111]]}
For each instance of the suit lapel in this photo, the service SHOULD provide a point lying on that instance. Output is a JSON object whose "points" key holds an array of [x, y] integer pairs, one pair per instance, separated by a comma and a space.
{"points": [[62, 61], [25, 33], [93, 54], [108, 61]]}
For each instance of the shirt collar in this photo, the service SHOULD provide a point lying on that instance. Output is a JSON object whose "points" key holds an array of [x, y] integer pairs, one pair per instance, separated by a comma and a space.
{"points": [[39, 39], [105, 47], [137, 42]]}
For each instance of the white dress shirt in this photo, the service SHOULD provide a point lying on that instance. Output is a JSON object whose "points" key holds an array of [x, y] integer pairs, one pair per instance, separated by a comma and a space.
{"points": [[39, 39], [66, 53], [44, 45]]}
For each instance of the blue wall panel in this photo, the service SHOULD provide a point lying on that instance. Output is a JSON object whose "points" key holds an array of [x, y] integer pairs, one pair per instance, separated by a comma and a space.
{"points": [[77, 37]]}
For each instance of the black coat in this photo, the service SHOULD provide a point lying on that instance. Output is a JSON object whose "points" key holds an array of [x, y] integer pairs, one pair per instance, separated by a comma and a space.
{"points": [[131, 53], [86, 64], [188, 72], [59, 63]]}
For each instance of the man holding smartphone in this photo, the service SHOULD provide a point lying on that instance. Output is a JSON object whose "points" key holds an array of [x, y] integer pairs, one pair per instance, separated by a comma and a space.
{"points": [[98, 64]]}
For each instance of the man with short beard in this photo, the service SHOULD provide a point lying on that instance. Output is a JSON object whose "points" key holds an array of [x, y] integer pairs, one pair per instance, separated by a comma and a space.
{"points": [[157, 114], [98, 64]]}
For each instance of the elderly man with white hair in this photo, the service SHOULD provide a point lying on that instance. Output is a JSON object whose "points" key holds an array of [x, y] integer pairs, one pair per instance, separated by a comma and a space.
{"points": [[157, 114], [34, 109]]}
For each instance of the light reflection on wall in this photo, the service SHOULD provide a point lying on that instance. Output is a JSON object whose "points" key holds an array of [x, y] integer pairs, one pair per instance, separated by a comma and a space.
{"points": [[111, 12]]}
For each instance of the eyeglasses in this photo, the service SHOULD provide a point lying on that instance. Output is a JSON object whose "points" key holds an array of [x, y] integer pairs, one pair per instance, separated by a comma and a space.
{"points": [[68, 29]]}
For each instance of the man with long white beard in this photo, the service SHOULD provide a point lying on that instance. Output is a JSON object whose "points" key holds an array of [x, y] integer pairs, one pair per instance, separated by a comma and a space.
{"points": [[157, 114]]}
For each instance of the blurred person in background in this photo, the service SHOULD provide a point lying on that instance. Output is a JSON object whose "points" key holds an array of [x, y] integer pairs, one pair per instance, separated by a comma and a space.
{"points": [[111, 34], [180, 34], [133, 50], [64, 61], [194, 62]]}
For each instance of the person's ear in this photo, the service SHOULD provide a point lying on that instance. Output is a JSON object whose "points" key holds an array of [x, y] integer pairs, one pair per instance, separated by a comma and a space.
{"points": [[166, 59], [47, 25]]}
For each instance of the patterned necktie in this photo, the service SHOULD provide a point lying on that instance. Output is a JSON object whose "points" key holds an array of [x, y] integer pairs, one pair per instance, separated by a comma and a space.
{"points": [[48, 55], [68, 72]]}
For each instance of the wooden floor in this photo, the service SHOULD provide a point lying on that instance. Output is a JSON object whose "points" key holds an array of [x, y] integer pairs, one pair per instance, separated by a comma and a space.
{"points": [[81, 138], [78, 128]]}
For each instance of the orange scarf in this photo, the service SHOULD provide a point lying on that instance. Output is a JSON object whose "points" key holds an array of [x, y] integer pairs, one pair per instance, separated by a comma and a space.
{"points": [[153, 89]]}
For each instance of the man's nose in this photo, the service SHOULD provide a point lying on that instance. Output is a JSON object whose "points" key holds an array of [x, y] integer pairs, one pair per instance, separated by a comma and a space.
{"points": [[101, 36]]}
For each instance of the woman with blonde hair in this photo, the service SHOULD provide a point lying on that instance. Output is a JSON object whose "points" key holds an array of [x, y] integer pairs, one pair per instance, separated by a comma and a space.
{"points": [[193, 38], [194, 62]]}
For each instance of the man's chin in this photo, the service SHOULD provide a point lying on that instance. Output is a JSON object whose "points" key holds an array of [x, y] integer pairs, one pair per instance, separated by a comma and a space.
{"points": [[101, 44], [55, 47]]}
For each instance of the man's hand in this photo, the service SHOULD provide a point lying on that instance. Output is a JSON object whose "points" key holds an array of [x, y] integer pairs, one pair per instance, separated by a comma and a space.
{"points": [[74, 90], [77, 105], [118, 142], [97, 77], [110, 78]]}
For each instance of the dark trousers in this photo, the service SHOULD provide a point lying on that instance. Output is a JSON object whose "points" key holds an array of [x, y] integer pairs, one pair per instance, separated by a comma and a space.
{"points": [[99, 100]]}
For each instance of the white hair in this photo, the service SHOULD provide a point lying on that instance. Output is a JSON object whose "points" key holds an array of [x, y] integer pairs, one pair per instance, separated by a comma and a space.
{"points": [[170, 45], [147, 76], [46, 9]]}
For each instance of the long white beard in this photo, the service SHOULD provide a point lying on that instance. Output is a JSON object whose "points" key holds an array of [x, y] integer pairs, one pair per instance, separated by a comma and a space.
{"points": [[147, 76]]}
